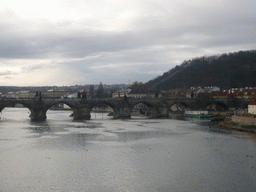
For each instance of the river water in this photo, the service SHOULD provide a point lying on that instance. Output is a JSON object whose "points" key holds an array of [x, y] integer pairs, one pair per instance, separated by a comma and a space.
{"points": [[135, 155]]}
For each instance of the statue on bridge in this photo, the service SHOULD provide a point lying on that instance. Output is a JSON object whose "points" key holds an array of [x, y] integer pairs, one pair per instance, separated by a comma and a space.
{"points": [[38, 95], [81, 95]]}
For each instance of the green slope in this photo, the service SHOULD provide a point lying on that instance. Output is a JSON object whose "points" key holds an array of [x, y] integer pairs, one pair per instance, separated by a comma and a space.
{"points": [[226, 71]]}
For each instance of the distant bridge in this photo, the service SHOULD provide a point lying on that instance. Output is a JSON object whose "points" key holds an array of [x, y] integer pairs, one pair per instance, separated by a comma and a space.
{"points": [[122, 107]]}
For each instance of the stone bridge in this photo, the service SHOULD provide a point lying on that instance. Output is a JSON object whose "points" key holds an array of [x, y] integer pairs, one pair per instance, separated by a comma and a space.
{"points": [[122, 107]]}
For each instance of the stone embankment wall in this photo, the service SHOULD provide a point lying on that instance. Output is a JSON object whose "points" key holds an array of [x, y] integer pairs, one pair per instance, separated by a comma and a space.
{"points": [[244, 120]]}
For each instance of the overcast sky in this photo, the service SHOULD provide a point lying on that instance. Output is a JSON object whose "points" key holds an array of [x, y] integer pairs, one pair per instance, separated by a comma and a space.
{"points": [[67, 42]]}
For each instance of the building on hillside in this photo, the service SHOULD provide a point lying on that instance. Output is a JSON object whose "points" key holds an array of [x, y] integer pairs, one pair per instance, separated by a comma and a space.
{"points": [[25, 94], [170, 93], [219, 95], [45, 94], [246, 94], [177, 93], [252, 106], [181, 93], [143, 94], [196, 90], [9, 95], [54, 93], [211, 89], [136, 93], [190, 94], [121, 93]]}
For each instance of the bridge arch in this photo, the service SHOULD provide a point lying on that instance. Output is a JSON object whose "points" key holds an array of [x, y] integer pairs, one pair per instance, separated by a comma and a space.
{"points": [[144, 102], [60, 102], [25, 104], [13, 103], [147, 108], [216, 105], [185, 105], [103, 103], [49, 105]]}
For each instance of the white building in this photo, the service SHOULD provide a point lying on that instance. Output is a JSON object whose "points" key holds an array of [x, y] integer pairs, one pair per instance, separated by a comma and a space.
{"points": [[252, 106]]}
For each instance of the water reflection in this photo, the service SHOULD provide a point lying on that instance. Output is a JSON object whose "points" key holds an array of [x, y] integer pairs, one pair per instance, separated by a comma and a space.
{"points": [[39, 127], [133, 136], [176, 116], [87, 125], [66, 141], [73, 140]]}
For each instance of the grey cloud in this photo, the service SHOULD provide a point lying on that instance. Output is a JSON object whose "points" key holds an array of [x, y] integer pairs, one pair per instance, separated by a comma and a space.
{"points": [[8, 77], [6, 73], [153, 43], [80, 45], [31, 68]]}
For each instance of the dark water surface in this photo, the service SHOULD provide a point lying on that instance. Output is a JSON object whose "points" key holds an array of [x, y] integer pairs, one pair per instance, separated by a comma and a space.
{"points": [[109, 155]]}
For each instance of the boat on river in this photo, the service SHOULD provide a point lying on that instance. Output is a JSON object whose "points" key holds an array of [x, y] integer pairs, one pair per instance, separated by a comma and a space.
{"points": [[197, 114]]}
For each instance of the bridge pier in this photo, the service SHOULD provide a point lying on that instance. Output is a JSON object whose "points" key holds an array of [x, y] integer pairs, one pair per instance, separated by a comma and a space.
{"points": [[122, 112], [160, 112], [38, 110], [37, 114], [163, 112], [80, 113]]}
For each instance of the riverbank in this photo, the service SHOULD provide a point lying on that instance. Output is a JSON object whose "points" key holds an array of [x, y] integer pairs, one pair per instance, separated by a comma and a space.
{"points": [[229, 123], [236, 126], [226, 120]]}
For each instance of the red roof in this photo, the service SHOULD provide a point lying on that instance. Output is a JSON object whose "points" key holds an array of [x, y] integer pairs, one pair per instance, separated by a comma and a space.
{"points": [[253, 101], [248, 92], [219, 93]]}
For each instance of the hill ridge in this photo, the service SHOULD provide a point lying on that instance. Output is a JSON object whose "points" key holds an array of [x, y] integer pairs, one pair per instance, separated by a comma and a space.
{"points": [[237, 69]]}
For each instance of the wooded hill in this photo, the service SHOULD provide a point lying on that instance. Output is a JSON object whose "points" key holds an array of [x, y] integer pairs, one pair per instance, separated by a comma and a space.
{"points": [[230, 70]]}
